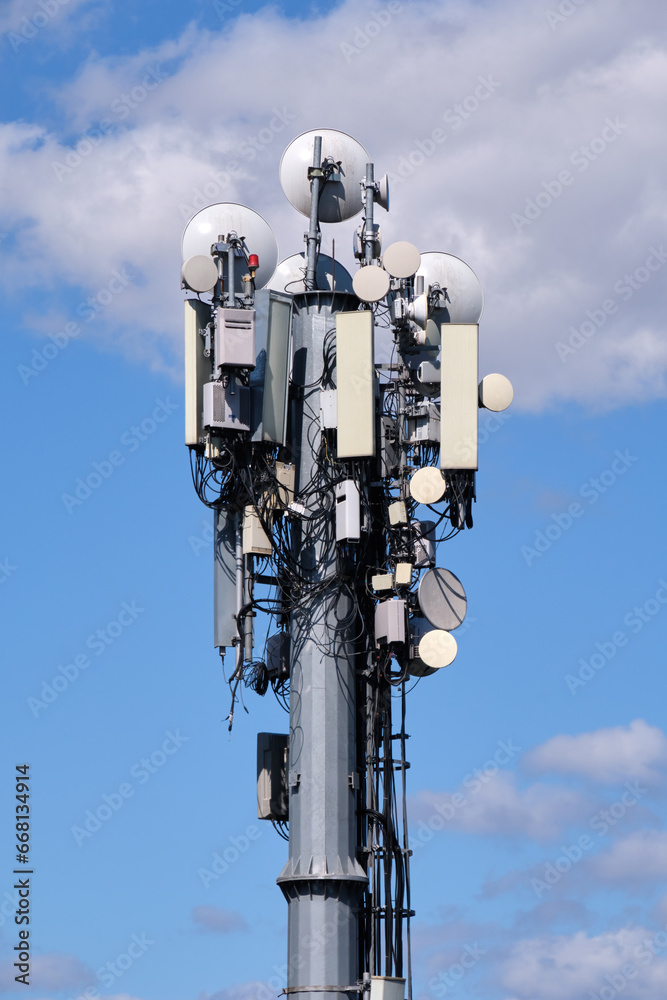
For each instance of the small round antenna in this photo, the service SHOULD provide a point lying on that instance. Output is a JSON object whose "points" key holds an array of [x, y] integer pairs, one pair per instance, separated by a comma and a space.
{"points": [[290, 275], [401, 259], [216, 221], [495, 392], [371, 283], [342, 195], [442, 599], [462, 296], [437, 649], [427, 485], [199, 273]]}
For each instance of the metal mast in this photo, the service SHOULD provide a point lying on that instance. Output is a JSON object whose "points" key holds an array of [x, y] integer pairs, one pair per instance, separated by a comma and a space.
{"points": [[322, 463]]}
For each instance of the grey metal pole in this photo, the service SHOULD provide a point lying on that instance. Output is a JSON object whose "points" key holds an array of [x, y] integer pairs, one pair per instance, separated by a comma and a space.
{"points": [[313, 238], [369, 236], [322, 880]]}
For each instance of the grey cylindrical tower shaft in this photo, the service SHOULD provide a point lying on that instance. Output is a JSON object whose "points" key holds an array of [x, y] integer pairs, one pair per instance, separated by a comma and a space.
{"points": [[322, 880]]}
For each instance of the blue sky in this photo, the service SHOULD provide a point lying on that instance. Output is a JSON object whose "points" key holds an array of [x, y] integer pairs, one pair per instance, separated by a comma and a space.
{"points": [[526, 138]]}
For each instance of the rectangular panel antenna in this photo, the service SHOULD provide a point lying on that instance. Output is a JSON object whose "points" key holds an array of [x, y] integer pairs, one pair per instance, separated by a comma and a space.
{"points": [[459, 396], [355, 377], [197, 369]]}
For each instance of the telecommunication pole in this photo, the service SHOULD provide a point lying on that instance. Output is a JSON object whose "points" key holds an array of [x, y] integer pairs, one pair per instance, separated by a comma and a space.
{"points": [[332, 475]]}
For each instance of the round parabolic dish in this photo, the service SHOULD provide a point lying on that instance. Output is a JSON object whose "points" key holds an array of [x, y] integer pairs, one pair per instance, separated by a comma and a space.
{"points": [[401, 259], [495, 392], [340, 199], [442, 599], [206, 226], [465, 299], [199, 273], [437, 649], [371, 283], [290, 275]]}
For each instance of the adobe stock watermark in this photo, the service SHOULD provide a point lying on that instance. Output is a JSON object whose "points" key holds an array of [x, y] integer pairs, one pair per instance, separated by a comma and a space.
{"points": [[89, 310], [30, 27], [474, 781], [121, 108], [222, 860], [364, 34], [600, 823], [7, 569], [582, 157], [454, 117], [565, 9], [98, 642], [606, 650], [447, 981], [591, 491], [131, 440], [248, 149], [625, 288], [645, 953], [110, 972], [142, 771]]}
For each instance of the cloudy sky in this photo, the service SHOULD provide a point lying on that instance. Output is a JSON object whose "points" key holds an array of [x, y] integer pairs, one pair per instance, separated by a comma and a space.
{"points": [[526, 138]]}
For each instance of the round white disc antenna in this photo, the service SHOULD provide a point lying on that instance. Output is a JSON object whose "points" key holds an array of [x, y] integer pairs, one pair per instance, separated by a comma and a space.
{"points": [[462, 291], [401, 259], [206, 226], [495, 392], [341, 197], [371, 283], [199, 273], [427, 485], [290, 275], [437, 649], [442, 599]]}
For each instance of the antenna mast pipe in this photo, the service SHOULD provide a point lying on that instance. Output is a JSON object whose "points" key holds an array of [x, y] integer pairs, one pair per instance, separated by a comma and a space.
{"points": [[313, 238]]}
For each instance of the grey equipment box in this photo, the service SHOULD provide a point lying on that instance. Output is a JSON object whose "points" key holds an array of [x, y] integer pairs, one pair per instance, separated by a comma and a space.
{"points": [[272, 791], [389, 622]]}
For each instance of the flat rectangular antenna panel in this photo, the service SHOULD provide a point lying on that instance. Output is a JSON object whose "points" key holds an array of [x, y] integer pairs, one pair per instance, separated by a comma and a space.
{"points": [[459, 395], [270, 380], [272, 791], [197, 369], [224, 578], [356, 384]]}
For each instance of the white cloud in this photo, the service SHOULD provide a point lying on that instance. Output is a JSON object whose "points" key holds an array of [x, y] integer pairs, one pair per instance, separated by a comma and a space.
{"points": [[636, 752], [49, 972], [638, 858], [24, 20], [548, 92], [499, 807], [568, 968], [214, 918]]}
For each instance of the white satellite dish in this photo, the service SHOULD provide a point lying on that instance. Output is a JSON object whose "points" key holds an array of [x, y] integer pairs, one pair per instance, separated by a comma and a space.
{"points": [[437, 649], [465, 299], [340, 198], [427, 485], [495, 392], [442, 598], [401, 259], [199, 273], [382, 193], [206, 226], [371, 283], [289, 276]]}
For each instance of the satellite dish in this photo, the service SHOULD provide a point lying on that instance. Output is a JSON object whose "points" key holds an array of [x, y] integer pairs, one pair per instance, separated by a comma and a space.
{"points": [[442, 599], [382, 193], [427, 485], [199, 273], [465, 299], [418, 312], [206, 226], [437, 649], [289, 276], [341, 198], [371, 283], [401, 259], [495, 392], [419, 626]]}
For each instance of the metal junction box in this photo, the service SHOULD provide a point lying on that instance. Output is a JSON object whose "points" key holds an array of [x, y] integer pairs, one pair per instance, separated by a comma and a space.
{"points": [[389, 622], [272, 791], [348, 511], [234, 337], [255, 539], [226, 407], [423, 547]]}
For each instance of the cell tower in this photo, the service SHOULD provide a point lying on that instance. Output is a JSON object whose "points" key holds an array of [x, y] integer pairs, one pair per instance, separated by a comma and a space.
{"points": [[332, 476]]}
